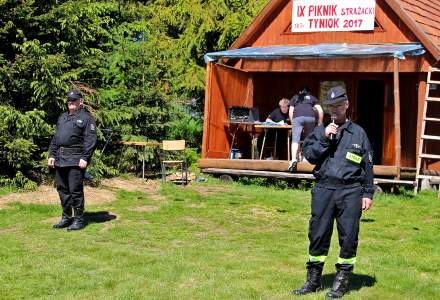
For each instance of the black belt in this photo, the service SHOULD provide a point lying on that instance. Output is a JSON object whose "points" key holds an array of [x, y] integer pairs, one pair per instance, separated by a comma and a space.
{"points": [[69, 150], [338, 183]]}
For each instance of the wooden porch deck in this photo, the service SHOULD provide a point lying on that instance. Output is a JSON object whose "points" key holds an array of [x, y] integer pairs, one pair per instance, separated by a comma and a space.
{"points": [[278, 169]]}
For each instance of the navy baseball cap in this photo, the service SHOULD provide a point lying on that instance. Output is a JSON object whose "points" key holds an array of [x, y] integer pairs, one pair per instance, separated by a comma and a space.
{"points": [[74, 95], [335, 94]]}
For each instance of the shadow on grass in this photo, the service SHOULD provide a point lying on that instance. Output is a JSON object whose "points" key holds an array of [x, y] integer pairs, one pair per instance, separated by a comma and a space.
{"points": [[367, 220], [97, 217], [357, 281]]}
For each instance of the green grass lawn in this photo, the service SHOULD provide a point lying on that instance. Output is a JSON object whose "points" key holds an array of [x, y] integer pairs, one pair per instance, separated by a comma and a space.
{"points": [[212, 241]]}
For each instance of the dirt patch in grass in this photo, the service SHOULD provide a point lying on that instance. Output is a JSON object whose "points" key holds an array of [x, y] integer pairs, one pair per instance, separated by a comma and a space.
{"points": [[188, 283], [198, 221], [52, 220], [46, 194], [209, 227], [211, 189], [145, 208], [8, 230], [196, 205], [156, 197], [106, 192], [261, 212], [132, 185], [107, 227], [144, 222], [177, 176]]}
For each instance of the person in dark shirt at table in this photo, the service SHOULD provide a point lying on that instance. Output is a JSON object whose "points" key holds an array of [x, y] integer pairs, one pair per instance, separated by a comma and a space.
{"points": [[281, 114]]}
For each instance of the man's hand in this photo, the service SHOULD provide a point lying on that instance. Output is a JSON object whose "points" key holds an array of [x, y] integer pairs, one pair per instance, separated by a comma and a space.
{"points": [[51, 162], [82, 164], [331, 128], [366, 203]]}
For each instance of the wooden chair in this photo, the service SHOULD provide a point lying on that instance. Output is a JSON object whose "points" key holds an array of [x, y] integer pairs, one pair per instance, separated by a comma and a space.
{"points": [[174, 148]]}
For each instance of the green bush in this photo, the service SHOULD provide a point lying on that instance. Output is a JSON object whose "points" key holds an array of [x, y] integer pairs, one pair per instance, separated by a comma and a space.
{"points": [[18, 182], [141, 58], [101, 167], [19, 152], [23, 135]]}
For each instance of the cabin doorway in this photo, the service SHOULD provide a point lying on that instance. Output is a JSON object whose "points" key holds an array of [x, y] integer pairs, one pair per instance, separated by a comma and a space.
{"points": [[370, 113]]}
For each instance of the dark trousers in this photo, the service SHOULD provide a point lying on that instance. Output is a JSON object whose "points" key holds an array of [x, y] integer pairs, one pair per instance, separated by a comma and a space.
{"points": [[70, 187], [344, 205]]}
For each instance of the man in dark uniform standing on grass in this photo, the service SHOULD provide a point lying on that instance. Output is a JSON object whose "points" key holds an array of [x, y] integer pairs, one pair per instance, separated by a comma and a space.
{"points": [[341, 153], [70, 152]]}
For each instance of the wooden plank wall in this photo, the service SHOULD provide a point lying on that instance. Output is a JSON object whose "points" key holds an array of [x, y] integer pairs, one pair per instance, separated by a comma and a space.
{"points": [[228, 87], [358, 65]]}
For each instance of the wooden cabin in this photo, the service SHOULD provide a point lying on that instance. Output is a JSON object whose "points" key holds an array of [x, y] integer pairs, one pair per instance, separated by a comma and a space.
{"points": [[387, 93]]}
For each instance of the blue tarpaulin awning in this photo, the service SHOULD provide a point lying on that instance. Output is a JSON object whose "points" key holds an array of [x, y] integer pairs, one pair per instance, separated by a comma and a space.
{"points": [[320, 51]]}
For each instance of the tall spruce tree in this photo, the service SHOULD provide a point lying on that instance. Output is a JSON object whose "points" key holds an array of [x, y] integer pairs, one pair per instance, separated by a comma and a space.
{"points": [[144, 59]]}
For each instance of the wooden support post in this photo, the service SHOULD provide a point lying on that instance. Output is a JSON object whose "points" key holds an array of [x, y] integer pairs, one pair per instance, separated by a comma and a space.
{"points": [[207, 110], [397, 133], [143, 163], [420, 106]]}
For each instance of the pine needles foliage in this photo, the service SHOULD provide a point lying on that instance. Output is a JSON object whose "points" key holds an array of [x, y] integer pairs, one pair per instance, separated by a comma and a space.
{"points": [[143, 60]]}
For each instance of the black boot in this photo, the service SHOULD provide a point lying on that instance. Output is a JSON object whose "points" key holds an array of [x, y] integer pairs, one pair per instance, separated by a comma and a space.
{"points": [[78, 224], [292, 166], [313, 282], [78, 221], [64, 222], [340, 284]]}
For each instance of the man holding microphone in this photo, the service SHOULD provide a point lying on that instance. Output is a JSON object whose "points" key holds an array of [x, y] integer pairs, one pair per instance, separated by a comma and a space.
{"points": [[344, 170]]}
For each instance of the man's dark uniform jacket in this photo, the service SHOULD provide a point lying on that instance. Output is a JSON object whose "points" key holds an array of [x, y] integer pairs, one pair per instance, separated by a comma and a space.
{"points": [[74, 139], [344, 164]]}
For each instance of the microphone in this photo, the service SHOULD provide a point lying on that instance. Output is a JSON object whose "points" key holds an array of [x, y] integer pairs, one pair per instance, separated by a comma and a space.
{"points": [[332, 136]]}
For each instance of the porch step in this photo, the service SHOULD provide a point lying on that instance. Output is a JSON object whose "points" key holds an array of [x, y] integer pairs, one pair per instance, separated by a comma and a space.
{"points": [[431, 137], [434, 156], [432, 119], [432, 178], [281, 175], [285, 175], [393, 181]]}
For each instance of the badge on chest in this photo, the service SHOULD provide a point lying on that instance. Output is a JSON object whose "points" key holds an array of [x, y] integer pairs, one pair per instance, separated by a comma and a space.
{"points": [[353, 157]]}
